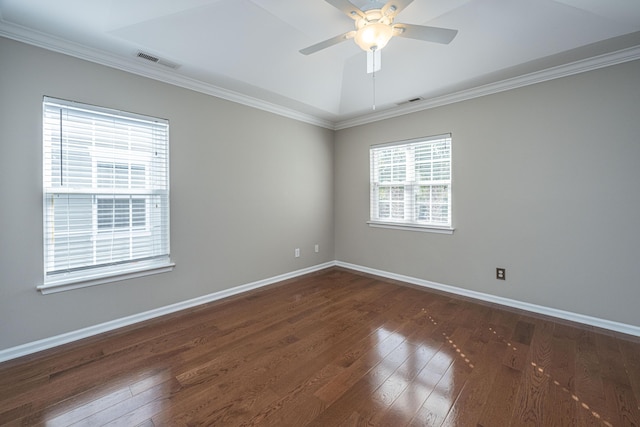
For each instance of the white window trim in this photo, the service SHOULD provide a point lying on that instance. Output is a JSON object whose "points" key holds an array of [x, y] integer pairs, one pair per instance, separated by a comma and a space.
{"points": [[411, 227], [69, 281], [397, 225]]}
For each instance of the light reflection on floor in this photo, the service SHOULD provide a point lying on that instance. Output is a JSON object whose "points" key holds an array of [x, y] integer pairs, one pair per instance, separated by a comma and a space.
{"points": [[102, 402], [422, 378], [431, 390]]}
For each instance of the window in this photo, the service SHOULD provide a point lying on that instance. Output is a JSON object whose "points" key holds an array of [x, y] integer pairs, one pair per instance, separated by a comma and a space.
{"points": [[106, 195], [411, 184]]}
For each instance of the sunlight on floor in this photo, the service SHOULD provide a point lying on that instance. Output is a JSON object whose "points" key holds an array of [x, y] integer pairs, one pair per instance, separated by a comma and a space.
{"points": [[103, 403], [421, 378]]}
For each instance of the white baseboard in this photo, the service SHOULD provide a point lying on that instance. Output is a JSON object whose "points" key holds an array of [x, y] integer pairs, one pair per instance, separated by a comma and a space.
{"points": [[547, 311], [47, 343]]}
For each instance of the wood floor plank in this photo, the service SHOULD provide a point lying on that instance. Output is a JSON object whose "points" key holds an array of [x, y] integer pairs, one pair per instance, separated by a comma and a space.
{"points": [[333, 348], [561, 374], [500, 404], [467, 408], [358, 397], [530, 408], [616, 381], [589, 386], [631, 358], [436, 407]]}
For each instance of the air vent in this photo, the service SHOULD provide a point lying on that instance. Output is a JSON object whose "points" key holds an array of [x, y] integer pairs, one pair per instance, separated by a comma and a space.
{"points": [[416, 99], [156, 60], [147, 57]]}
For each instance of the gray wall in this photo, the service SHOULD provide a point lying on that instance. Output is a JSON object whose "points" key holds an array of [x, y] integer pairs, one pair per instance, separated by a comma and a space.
{"points": [[247, 187], [546, 183]]}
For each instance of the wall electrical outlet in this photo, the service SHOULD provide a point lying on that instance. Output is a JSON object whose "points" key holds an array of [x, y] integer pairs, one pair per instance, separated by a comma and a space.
{"points": [[317, 248], [297, 253], [501, 274]]}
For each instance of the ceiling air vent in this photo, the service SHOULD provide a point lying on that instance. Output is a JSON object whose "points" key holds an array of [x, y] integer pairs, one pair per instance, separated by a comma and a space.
{"points": [[416, 99], [156, 60]]}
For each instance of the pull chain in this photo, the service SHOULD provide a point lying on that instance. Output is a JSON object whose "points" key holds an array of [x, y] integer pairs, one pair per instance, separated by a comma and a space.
{"points": [[373, 60]]}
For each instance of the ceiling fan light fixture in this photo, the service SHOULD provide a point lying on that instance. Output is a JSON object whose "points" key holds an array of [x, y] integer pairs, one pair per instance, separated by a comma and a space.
{"points": [[375, 27], [373, 36]]}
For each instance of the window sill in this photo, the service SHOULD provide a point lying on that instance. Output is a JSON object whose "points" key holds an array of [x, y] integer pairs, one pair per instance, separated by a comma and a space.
{"points": [[69, 282], [411, 227]]}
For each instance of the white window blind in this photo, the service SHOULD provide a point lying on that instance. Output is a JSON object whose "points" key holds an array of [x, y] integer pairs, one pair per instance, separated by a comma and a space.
{"points": [[411, 183], [106, 193]]}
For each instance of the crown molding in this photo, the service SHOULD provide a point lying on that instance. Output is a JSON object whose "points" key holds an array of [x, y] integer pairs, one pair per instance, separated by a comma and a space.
{"points": [[55, 44], [577, 67]]}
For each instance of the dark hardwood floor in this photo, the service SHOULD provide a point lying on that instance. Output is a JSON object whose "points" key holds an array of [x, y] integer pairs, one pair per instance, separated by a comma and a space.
{"points": [[334, 348]]}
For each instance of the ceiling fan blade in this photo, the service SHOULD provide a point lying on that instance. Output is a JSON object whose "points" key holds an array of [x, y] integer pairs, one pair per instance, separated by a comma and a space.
{"points": [[347, 7], [394, 7], [327, 43], [421, 32]]}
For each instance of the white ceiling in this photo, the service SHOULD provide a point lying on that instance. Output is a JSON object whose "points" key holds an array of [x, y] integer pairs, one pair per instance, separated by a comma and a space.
{"points": [[247, 50]]}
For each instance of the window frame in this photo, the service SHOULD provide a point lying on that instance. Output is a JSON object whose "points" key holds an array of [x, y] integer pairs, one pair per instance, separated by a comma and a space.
{"points": [[134, 185], [406, 207]]}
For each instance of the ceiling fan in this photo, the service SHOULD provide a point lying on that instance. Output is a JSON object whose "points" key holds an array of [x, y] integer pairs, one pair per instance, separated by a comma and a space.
{"points": [[375, 27]]}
